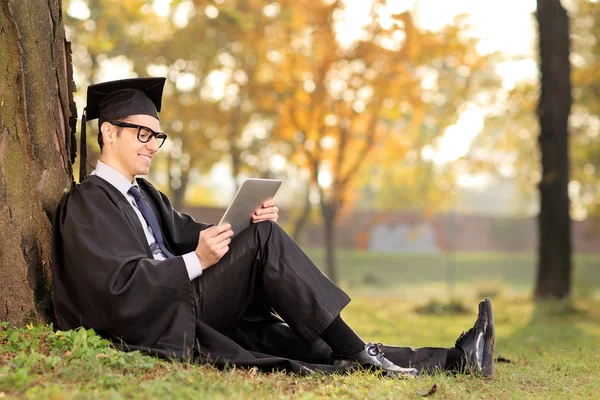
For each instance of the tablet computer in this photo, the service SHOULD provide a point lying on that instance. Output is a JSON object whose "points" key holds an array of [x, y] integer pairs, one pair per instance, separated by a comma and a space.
{"points": [[249, 197]]}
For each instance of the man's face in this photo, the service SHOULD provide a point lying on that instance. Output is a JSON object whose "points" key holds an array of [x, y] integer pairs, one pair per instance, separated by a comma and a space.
{"points": [[126, 153]]}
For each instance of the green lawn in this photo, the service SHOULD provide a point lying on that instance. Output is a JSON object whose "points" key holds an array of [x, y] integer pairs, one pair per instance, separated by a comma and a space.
{"points": [[512, 273], [552, 348]]}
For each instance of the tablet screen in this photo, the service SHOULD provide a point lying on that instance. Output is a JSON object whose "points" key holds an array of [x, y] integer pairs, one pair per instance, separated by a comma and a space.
{"points": [[249, 197]]}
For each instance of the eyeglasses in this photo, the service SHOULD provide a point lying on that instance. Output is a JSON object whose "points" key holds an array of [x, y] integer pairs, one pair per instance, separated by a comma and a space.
{"points": [[144, 134]]}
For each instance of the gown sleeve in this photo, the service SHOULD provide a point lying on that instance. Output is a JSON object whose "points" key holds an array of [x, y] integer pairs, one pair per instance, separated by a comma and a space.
{"points": [[104, 279]]}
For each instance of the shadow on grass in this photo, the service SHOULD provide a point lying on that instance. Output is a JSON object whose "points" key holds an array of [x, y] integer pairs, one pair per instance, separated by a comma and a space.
{"points": [[555, 351]]}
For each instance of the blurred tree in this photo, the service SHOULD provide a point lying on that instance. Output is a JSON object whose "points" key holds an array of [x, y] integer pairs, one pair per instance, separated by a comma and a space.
{"points": [[585, 120], [219, 103], [554, 258], [219, 100], [302, 219], [103, 29], [344, 99], [333, 103], [507, 146], [104, 32], [36, 151], [507, 149], [451, 84]]}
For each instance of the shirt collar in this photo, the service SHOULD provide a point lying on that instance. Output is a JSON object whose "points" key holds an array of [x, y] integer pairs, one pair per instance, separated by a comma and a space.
{"points": [[112, 176]]}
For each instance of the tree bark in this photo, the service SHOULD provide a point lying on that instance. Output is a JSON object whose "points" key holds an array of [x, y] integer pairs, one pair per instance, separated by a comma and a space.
{"points": [[554, 223], [36, 151], [329, 213]]}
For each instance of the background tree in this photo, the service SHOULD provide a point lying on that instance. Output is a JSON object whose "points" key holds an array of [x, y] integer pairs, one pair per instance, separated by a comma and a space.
{"points": [[554, 259], [585, 120], [104, 32], [36, 151], [507, 149], [218, 104], [344, 101], [405, 172]]}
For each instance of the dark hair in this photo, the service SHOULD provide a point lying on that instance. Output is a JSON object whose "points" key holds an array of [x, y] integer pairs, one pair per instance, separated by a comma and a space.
{"points": [[102, 120]]}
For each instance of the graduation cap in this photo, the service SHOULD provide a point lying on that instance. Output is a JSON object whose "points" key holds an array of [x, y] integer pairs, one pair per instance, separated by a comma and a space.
{"points": [[117, 99]]}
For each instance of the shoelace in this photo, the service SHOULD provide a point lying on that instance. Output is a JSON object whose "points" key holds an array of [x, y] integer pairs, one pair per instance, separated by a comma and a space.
{"points": [[463, 336], [375, 349]]}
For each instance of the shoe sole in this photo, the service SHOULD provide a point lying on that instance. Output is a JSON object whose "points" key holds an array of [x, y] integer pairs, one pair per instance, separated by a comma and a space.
{"points": [[488, 367], [401, 375]]}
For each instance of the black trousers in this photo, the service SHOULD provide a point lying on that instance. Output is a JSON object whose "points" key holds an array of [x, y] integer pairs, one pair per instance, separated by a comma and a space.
{"points": [[263, 261], [265, 270]]}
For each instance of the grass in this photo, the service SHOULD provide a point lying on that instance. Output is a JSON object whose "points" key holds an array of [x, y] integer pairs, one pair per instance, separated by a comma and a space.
{"points": [[432, 274], [553, 349], [552, 346]]}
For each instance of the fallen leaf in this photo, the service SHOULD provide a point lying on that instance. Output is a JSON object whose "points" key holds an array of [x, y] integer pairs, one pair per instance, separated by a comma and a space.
{"points": [[421, 392]]}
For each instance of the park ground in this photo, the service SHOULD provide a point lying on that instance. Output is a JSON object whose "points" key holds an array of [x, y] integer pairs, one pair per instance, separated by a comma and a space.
{"points": [[548, 350]]}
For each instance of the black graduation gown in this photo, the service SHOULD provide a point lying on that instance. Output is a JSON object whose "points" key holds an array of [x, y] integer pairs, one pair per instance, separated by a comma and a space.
{"points": [[105, 278]]}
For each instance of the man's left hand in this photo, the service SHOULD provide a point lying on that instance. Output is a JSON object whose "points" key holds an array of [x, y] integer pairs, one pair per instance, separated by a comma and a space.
{"points": [[267, 212]]}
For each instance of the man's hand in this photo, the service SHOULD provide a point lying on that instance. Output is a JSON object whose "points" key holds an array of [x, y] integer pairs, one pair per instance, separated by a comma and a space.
{"points": [[267, 212], [213, 244]]}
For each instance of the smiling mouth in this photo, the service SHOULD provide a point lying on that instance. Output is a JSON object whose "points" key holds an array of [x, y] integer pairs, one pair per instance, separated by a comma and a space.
{"points": [[147, 159]]}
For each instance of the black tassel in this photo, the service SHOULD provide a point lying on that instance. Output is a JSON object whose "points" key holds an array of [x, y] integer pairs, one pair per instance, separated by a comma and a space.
{"points": [[82, 149]]}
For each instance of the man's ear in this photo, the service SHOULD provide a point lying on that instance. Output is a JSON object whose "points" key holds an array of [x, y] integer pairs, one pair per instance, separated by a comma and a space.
{"points": [[108, 132]]}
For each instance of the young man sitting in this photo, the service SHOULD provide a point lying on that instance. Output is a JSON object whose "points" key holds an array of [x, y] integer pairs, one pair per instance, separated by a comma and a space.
{"points": [[135, 270]]}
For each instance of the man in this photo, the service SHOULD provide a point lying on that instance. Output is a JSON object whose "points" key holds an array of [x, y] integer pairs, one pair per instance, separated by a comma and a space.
{"points": [[126, 264]]}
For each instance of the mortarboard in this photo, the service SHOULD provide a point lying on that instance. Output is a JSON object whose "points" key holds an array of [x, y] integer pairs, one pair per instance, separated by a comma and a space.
{"points": [[118, 99]]}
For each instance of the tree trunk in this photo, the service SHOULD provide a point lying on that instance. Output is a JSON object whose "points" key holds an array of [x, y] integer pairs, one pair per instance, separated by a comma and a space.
{"points": [[300, 223], [329, 213], [36, 152], [178, 195], [554, 259], [234, 151]]}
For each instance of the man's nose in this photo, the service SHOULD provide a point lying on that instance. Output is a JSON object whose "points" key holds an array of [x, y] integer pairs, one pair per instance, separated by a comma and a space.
{"points": [[152, 144]]}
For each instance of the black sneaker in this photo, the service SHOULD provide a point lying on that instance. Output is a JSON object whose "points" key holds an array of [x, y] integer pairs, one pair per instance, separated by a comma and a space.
{"points": [[372, 358], [479, 342]]}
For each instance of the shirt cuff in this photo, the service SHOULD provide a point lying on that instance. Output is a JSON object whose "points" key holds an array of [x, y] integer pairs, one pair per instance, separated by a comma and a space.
{"points": [[192, 264]]}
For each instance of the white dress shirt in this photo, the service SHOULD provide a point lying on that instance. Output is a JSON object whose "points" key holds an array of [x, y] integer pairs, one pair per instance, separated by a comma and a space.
{"points": [[120, 182]]}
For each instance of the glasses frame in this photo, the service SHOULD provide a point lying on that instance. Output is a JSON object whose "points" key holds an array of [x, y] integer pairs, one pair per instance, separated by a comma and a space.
{"points": [[160, 136]]}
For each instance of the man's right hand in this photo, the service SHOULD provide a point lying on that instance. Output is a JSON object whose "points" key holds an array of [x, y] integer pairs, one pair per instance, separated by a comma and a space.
{"points": [[213, 244]]}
